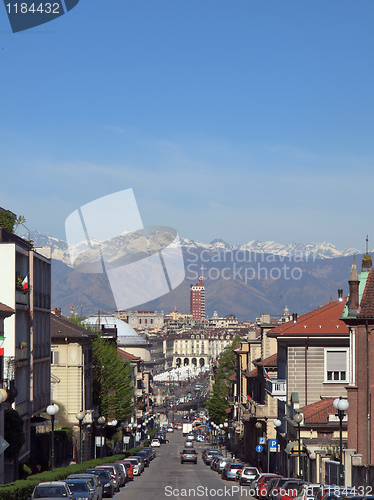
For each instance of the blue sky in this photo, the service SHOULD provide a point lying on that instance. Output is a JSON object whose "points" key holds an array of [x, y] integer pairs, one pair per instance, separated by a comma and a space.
{"points": [[241, 120]]}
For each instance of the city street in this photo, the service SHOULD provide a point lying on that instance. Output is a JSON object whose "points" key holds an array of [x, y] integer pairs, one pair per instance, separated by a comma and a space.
{"points": [[168, 478]]}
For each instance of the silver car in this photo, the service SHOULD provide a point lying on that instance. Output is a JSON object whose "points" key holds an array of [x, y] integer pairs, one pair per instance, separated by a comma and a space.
{"points": [[52, 490]]}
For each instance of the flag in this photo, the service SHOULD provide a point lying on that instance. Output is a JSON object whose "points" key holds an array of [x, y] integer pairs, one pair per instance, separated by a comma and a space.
{"points": [[246, 397], [2, 346], [265, 372], [25, 283]]}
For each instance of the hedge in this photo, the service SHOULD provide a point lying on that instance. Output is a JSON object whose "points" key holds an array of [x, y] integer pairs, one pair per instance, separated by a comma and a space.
{"points": [[20, 490]]}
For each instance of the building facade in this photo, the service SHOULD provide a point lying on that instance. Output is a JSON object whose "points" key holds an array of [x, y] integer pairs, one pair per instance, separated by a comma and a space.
{"points": [[25, 286], [197, 301]]}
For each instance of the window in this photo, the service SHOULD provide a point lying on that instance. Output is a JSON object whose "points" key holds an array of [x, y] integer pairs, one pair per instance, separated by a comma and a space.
{"points": [[336, 365], [55, 357]]}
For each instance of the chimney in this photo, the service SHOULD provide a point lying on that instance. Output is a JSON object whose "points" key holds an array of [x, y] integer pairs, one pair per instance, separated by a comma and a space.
{"points": [[366, 263], [294, 317], [354, 282], [340, 294]]}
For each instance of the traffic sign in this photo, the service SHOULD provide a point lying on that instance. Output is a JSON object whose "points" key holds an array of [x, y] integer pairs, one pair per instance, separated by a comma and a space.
{"points": [[261, 440], [273, 445], [259, 448]]}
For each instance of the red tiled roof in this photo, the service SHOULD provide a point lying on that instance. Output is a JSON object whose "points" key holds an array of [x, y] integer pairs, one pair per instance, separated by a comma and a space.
{"points": [[270, 362], [233, 376], [6, 309], [318, 412], [127, 355], [252, 374], [367, 302], [320, 322]]}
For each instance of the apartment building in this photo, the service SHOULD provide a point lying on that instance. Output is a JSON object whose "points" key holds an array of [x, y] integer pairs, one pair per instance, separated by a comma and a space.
{"points": [[25, 286]]}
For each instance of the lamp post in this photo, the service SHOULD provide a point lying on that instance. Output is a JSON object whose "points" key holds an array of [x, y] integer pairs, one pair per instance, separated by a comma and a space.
{"points": [[80, 416], [52, 410], [123, 426], [277, 423], [297, 419], [258, 426], [226, 425], [101, 422], [341, 405]]}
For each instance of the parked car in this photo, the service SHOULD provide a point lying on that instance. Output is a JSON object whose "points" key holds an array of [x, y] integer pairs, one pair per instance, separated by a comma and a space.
{"points": [[129, 469], [93, 483], [114, 474], [106, 481], [247, 475], [79, 488], [214, 461], [274, 485], [121, 472], [262, 483], [221, 462], [188, 455], [52, 490], [140, 462], [135, 466], [308, 492], [288, 490], [230, 470], [155, 443], [209, 455], [151, 450], [144, 456]]}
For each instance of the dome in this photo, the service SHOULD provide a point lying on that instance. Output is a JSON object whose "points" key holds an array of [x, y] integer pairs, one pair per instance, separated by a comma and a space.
{"points": [[126, 335]]}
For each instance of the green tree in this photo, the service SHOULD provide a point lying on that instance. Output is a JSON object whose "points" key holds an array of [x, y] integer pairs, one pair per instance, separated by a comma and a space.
{"points": [[217, 403], [113, 387], [13, 433]]}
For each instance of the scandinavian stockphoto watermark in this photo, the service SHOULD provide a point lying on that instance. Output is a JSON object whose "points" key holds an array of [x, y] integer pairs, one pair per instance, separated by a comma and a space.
{"points": [[225, 492], [26, 14], [107, 236], [245, 265]]}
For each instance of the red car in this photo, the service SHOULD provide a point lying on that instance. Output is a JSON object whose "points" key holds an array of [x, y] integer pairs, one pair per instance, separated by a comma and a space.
{"points": [[130, 470], [262, 483]]}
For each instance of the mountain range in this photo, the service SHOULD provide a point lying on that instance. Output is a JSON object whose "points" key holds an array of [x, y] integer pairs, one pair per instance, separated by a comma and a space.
{"points": [[245, 280]]}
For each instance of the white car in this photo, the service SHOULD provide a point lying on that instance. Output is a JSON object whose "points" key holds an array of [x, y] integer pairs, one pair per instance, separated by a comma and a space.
{"points": [[155, 443]]}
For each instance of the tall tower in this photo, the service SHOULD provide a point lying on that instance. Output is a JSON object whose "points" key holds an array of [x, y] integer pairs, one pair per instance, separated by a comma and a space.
{"points": [[197, 300]]}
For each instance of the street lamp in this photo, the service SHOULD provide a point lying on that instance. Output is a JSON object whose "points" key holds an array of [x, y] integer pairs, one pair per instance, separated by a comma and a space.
{"points": [[226, 425], [123, 426], [258, 426], [297, 419], [80, 416], [52, 410], [341, 405], [101, 422], [277, 423]]}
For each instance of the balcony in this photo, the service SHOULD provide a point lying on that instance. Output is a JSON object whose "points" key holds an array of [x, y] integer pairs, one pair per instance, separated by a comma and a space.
{"points": [[276, 388], [22, 353], [22, 298]]}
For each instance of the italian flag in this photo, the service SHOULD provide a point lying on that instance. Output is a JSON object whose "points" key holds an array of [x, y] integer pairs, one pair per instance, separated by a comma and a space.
{"points": [[2, 346], [265, 373], [25, 283]]}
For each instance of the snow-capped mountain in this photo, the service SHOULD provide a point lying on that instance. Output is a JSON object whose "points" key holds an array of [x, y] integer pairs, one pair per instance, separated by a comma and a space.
{"points": [[323, 250]]}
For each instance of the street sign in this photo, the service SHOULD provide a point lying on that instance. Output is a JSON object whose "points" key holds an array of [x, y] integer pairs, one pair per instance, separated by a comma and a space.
{"points": [[273, 445], [261, 440], [259, 448]]}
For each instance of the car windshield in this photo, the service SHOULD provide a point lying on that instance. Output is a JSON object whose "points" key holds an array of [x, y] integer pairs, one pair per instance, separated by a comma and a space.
{"points": [[189, 451], [250, 471], [76, 486], [99, 472], [50, 491], [236, 466]]}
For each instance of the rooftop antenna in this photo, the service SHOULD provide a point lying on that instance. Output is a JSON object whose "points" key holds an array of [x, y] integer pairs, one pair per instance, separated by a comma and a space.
{"points": [[367, 244]]}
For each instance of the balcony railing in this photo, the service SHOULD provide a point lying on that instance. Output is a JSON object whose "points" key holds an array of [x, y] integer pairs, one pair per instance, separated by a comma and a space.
{"points": [[276, 388]]}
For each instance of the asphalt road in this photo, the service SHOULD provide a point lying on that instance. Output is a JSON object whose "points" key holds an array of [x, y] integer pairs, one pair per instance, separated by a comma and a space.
{"points": [[167, 478]]}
